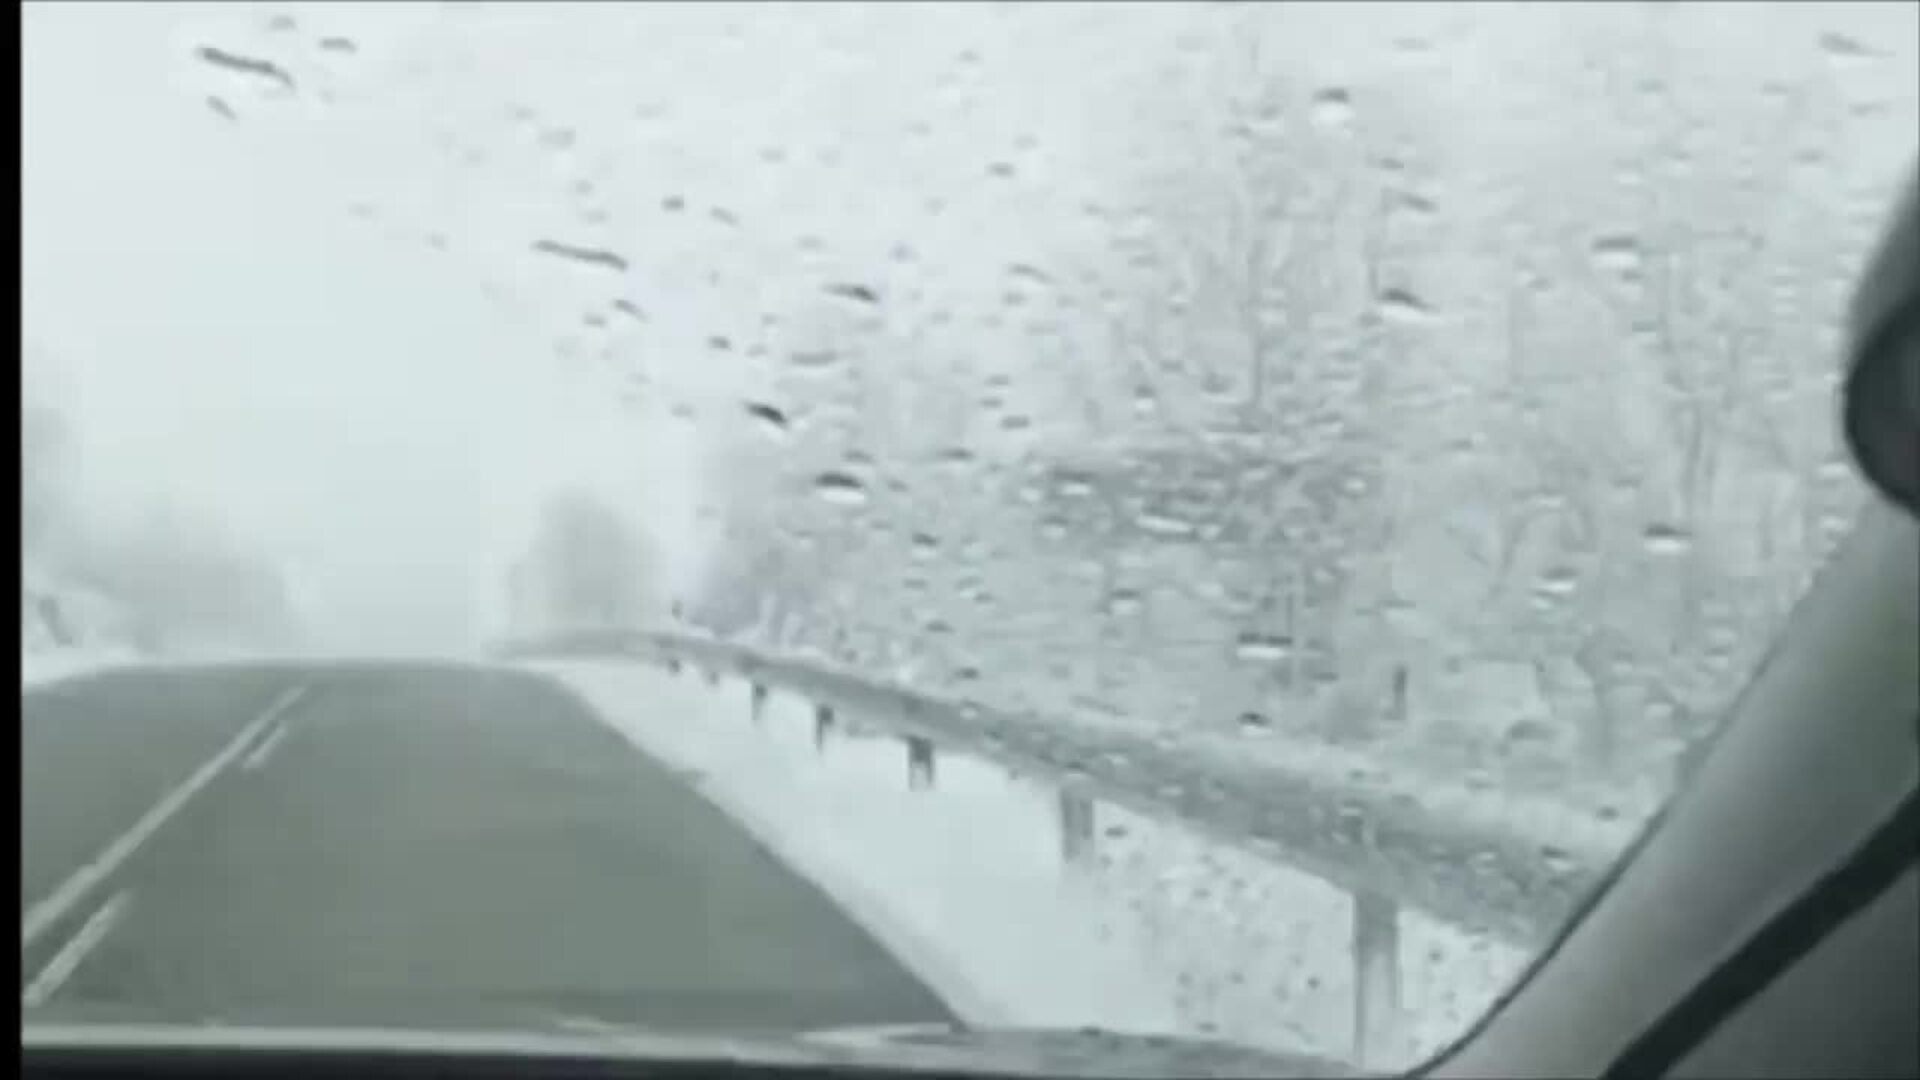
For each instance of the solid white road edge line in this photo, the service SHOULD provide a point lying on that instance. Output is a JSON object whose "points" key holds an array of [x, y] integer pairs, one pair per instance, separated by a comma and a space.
{"points": [[45, 913], [74, 952]]}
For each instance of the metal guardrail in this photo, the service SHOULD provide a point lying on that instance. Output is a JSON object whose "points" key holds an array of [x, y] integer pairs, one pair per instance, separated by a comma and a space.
{"points": [[1478, 877], [1386, 852]]}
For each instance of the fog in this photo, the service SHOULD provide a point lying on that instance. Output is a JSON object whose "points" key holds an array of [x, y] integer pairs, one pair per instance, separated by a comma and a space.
{"points": [[1424, 406], [302, 290], [222, 343]]}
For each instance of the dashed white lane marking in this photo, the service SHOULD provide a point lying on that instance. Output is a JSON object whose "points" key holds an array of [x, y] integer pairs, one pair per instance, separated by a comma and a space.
{"points": [[45, 913], [74, 952], [258, 756]]}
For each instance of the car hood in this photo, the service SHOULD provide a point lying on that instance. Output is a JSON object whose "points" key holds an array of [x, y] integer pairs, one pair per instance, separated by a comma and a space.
{"points": [[942, 1048]]}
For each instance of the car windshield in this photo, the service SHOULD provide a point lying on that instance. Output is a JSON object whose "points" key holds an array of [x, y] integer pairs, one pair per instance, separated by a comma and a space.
{"points": [[876, 523]]}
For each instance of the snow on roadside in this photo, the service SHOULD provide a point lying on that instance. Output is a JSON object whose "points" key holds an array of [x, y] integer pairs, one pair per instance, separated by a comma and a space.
{"points": [[67, 629], [1257, 949], [1550, 821], [37, 668], [1155, 929], [1590, 824]]}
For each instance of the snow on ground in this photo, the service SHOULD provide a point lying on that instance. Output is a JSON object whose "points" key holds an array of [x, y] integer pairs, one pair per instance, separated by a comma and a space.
{"points": [[1154, 929], [1565, 821], [51, 664], [38, 667], [1256, 948], [1591, 822], [67, 629]]}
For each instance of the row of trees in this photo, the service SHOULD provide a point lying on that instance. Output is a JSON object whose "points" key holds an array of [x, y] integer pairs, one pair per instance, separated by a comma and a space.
{"points": [[152, 579], [1561, 410], [586, 567], [1356, 397]]}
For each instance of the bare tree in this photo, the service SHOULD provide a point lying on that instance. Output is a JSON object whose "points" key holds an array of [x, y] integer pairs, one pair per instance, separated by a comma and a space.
{"points": [[47, 474], [180, 576], [1256, 338], [590, 564]]}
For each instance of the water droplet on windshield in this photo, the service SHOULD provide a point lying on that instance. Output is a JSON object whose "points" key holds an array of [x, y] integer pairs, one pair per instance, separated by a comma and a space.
{"points": [[1558, 861], [591, 256], [773, 418], [1331, 107], [1838, 44], [1617, 254], [1401, 306], [1413, 202], [1261, 647], [814, 359], [1664, 538], [1558, 581], [853, 291], [1026, 272], [841, 488], [1164, 525], [1075, 486], [1528, 732], [246, 65]]}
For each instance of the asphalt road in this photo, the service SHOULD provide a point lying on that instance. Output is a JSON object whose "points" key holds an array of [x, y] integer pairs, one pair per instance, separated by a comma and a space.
{"points": [[403, 844]]}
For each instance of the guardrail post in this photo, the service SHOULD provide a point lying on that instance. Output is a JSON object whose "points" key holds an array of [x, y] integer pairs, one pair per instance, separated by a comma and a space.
{"points": [[1076, 828], [758, 702], [822, 725], [919, 763], [1376, 983]]}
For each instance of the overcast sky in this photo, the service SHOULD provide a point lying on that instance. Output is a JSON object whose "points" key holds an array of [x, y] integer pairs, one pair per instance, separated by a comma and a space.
{"points": [[312, 314], [227, 337]]}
